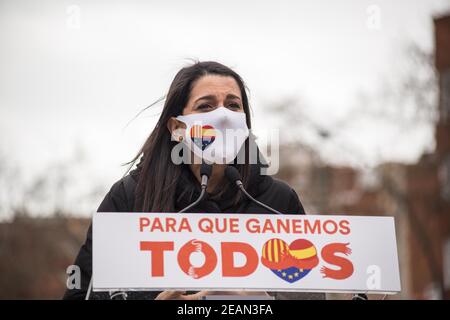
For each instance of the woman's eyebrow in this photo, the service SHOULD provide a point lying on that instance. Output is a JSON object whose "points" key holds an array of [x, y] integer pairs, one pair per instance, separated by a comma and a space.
{"points": [[213, 97], [232, 96], [208, 97]]}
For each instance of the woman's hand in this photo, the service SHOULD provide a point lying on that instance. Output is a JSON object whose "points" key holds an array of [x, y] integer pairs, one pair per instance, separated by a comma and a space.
{"points": [[174, 295], [180, 295]]}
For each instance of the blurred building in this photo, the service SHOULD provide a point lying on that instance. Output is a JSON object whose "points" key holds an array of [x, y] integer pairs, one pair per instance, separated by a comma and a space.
{"points": [[417, 195], [35, 254]]}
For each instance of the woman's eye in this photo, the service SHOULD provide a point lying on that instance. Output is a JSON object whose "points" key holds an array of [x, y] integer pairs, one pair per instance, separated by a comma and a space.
{"points": [[235, 106], [204, 107]]}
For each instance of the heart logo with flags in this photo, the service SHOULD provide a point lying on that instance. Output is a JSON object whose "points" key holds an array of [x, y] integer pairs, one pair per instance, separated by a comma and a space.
{"points": [[289, 262], [203, 136]]}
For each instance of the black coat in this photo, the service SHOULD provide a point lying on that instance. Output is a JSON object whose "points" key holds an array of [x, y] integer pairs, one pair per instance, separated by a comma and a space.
{"points": [[263, 188]]}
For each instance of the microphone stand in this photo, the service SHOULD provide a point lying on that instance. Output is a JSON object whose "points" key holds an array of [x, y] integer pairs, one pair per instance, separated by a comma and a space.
{"points": [[88, 294], [234, 176], [205, 173], [360, 296]]}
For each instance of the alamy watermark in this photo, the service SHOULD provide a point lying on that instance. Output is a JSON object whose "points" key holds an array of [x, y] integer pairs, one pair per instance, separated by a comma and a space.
{"points": [[218, 148]]}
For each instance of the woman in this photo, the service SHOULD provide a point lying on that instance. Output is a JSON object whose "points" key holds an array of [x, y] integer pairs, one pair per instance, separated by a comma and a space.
{"points": [[207, 90]]}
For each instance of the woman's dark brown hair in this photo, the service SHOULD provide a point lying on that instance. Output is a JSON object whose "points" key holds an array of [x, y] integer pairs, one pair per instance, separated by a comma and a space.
{"points": [[158, 175]]}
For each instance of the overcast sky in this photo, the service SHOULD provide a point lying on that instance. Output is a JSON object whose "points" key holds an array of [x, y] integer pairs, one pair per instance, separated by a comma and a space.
{"points": [[73, 73]]}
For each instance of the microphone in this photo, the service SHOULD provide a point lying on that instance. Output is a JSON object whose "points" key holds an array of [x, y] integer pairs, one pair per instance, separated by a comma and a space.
{"points": [[360, 296], [205, 173], [234, 176], [113, 295], [118, 295]]}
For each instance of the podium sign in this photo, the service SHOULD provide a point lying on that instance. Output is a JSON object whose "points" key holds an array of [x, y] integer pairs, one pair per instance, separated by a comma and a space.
{"points": [[161, 251]]}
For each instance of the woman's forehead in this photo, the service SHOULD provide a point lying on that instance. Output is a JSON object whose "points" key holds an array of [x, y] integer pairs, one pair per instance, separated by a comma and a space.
{"points": [[216, 85]]}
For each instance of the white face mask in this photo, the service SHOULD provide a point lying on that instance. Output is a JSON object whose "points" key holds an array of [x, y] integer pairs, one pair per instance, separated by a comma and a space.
{"points": [[215, 136]]}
